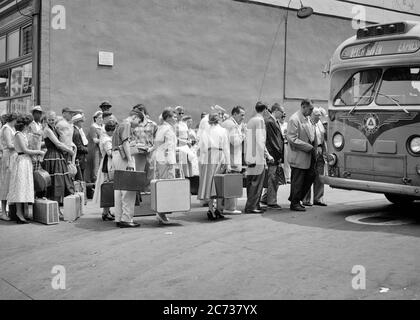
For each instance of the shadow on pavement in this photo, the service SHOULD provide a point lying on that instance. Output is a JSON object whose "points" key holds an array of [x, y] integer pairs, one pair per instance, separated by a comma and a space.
{"points": [[334, 217]]}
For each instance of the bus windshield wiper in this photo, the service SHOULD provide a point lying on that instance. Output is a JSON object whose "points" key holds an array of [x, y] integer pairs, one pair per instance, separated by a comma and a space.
{"points": [[395, 101], [359, 102]]}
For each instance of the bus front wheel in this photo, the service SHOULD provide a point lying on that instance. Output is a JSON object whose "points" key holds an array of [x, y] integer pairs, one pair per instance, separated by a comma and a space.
{"points": [[399, 199]]}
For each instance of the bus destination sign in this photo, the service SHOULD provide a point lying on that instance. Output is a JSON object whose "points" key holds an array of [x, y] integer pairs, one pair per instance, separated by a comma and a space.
{"points": [[380, 48]]}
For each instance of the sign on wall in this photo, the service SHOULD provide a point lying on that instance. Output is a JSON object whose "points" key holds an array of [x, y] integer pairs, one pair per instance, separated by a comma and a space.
{"points": [[106, 58]]}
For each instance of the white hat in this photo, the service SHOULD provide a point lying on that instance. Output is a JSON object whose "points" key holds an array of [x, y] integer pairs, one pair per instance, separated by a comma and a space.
{"points": [[37, 108], [218, 108], [77, 118]]}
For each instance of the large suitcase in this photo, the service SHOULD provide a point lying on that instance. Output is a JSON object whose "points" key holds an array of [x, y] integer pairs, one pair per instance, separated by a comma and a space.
{"points": [[46, 212], [72, 208], [170, 195], [107, 195], [229, 186], [129, 180]]}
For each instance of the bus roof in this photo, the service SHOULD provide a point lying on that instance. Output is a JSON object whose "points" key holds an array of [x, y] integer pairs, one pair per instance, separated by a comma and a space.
{"points": [[376, 37]]}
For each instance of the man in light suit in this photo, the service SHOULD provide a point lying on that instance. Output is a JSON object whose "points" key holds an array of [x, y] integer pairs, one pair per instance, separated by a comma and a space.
{"points": [[321, 151], [256, 156], [236, 131], [302, 140]]}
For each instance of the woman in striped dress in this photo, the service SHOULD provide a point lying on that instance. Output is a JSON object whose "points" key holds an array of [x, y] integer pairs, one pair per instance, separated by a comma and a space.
{"points": [[214, 159]]}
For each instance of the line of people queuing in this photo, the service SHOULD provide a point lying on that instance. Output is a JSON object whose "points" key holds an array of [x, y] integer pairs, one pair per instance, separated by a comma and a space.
{"points": [[270, 151]]}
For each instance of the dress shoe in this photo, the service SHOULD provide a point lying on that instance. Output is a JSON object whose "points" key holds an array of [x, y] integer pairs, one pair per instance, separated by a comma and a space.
{"points": [[297, 208], [162, 218], [20, 221], [274, 207], [320, 204], [123, 224], [254, 211], [307, 204], [108, 217]]}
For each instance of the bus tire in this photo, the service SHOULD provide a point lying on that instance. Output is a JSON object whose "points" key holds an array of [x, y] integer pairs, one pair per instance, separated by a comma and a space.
{"points": [[399, 199]]}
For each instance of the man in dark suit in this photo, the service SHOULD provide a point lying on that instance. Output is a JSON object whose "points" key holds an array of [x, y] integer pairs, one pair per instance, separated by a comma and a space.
{"points": [[275, 147], [81, 142], [302, 140]]}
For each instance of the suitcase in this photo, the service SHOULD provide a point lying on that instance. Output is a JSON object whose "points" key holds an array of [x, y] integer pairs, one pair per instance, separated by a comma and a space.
{"points": [[194, 184], [72, 205], [107, 195], [144, 208], [46, 212], [129, 180], [229, 186], [170, 195], [82, 202], [80, 186], [29, 211], [90, 190]]}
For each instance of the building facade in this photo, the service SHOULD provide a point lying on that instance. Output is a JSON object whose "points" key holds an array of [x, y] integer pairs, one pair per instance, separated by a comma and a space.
{"points": [[195, 53]]}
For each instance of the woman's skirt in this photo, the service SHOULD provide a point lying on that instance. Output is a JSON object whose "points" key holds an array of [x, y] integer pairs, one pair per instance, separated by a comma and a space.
{"points": [[61, 183], [21, 188], [5, 172], [207, 187]]}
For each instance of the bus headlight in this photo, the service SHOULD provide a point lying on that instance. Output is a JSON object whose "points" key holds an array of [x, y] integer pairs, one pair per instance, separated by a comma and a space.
{"points": [[338, 141], [332, 159], [414, 145]]}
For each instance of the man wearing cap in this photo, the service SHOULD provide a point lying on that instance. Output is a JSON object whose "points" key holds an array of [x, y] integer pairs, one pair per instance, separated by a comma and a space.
{"points": [[105, 106], [65, 129], [123, 160], [81, 143], [35, 132]]}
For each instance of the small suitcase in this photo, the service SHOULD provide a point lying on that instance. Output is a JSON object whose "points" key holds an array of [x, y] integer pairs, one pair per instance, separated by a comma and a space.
{"points": [[82, 202], [107, 195], [170, 195], [80, 186], [46, 212], [194, 184], [129, 180], [72, 205], [229, 186]]}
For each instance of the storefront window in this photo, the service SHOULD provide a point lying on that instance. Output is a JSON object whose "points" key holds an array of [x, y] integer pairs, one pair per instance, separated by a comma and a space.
{"points": [[13, 45], [21, 80], [4, 84], [21, 105], [2, 49]]}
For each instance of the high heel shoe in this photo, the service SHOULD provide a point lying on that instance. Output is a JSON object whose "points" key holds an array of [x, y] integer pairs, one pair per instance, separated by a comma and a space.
{"points": [[107, 217], [219, 215], [210, 216], [20, 221]]}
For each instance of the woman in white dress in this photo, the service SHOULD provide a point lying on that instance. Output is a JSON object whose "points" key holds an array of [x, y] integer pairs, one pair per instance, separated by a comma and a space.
{"points": [[214, 159], [105, 171], [21, 188], [7, 133]]}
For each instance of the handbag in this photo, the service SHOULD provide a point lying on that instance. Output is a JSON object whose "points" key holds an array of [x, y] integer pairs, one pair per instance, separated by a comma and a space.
{"points": [[42, 179], [72, 169]]}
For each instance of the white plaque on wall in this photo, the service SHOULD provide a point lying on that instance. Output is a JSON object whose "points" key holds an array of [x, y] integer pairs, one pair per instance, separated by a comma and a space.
{"points": [[106, 58]]}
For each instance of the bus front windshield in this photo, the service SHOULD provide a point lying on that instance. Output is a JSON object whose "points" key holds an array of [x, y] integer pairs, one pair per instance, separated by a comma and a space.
{"points": [[401, 85], [359, 89]]}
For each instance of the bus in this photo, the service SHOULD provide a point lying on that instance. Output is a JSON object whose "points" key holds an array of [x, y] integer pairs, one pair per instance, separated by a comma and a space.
{"points": [[374, 112]]}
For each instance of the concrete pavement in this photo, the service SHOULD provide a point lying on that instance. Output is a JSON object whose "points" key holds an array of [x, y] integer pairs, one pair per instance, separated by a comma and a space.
{"points": [[279, 255]]}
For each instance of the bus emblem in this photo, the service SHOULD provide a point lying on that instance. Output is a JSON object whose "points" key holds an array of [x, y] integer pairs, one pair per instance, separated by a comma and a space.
{"points": [[371, 124]]}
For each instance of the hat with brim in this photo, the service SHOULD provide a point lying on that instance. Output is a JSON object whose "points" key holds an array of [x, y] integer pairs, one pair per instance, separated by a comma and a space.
{"points": [[37, 108], [105, 105], [218, 109], [77, 118], [98, 114], [67, 109]]}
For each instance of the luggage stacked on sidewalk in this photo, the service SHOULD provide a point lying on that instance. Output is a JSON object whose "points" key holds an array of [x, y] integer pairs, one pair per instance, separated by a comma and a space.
{"points": [[229, 186], [80, 186], [46, 212]]}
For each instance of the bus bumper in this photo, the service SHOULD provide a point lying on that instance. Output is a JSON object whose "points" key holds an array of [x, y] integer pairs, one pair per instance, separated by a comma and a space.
{"points": [[369, 186]]}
